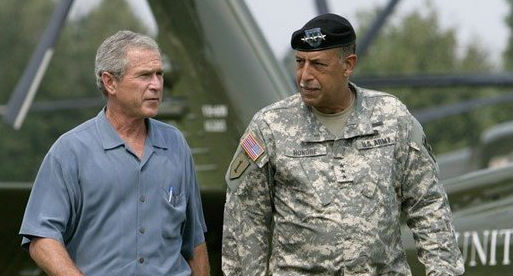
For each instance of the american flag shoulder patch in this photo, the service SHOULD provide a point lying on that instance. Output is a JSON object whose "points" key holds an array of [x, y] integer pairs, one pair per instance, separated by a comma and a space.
{"points": [[252, 146]]}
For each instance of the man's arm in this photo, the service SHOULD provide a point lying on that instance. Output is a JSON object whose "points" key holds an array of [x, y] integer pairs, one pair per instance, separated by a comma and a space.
{"points": [[199, 262], [247, 217], [52, 257], [427, 209]]}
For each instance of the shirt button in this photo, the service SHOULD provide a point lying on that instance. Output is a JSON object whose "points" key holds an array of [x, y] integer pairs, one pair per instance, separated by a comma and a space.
{"points": [[142, 230], [142, 198], [141, 260]]}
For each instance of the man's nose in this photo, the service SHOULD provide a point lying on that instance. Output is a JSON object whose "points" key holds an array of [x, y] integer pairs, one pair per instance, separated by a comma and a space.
{"points": [[306, 73], [156, 81]]}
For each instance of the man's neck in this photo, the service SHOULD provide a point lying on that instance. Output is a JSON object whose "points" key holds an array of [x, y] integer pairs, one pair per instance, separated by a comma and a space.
{"points": [[129, 128], [346, 99]]}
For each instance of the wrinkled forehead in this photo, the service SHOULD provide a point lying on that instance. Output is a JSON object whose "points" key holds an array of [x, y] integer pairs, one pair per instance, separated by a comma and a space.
{"points": [[143, 57], [134, 51]]}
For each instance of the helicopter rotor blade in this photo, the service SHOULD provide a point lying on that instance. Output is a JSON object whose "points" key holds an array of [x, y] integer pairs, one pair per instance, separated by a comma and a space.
{"points": [[23, 95], [430, 114], [363, 44], [504, 79], [322, 6]]}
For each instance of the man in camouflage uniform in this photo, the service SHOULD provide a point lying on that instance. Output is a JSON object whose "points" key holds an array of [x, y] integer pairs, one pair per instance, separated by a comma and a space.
{"points": [[320, 179]]}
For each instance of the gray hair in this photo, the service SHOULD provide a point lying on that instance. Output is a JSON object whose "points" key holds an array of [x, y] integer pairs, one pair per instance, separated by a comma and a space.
{"points": [[347, 50], [111, 55]]}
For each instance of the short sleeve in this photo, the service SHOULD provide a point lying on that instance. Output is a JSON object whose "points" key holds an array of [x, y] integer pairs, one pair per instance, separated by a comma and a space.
{"points": [[195, 225], [49, 206]]}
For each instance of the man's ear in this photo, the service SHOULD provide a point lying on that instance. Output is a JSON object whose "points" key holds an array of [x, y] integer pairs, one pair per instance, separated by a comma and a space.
{"points": [[350, 63], [109, 82]]}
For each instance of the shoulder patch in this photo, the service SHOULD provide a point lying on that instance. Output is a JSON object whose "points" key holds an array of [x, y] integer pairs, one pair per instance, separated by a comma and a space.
{"points": [[252, 146], [239, 165]]}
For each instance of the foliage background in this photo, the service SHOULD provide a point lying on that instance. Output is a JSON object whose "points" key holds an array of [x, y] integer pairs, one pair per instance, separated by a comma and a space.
{"points": [[70, 75], [417, 44]]}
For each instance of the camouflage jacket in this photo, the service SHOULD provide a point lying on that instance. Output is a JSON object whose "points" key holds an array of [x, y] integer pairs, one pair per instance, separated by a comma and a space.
{"points": [[302, 202]]}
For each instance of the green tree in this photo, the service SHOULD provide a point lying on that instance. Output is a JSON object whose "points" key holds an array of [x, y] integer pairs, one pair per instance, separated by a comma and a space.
{"points": [[22, 25], [418, 45], [70, 75]]}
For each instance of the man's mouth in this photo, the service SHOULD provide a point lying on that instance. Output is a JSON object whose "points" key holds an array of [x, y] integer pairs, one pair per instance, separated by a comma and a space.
{"points": [[307, 88], [152, 99], [310, 89]]}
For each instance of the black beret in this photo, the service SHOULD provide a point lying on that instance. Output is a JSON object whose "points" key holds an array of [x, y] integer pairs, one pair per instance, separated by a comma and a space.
{"points": [[323, 32]]}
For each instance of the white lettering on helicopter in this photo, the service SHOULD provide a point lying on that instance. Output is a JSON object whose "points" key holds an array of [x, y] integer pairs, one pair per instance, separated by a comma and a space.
{"points": [[483, 247], [214, 110], [211, 125], [216, 114]]}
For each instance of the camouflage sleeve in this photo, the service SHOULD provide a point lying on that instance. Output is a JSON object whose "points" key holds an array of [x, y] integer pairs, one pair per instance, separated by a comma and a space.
{"points": [[247, 213], [427, 209]]}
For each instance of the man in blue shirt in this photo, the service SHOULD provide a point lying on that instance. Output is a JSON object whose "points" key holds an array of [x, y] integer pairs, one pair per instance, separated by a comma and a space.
{"points": [[117, 195]]}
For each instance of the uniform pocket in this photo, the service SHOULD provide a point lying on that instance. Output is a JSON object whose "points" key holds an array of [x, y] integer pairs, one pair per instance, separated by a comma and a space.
{"points": [[361, 197], [307, 167], [358, 266], [369, 199]]}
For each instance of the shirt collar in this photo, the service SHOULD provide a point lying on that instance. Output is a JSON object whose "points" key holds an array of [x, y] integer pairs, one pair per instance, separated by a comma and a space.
{"points": [[155, 135], [110, 138]]}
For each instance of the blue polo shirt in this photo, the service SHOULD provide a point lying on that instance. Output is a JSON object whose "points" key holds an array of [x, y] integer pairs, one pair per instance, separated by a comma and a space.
{"points": [[114, 213]]}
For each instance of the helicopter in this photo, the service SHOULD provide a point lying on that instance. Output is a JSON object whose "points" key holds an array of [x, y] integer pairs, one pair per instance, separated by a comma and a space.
{"points": [[222, 71]]}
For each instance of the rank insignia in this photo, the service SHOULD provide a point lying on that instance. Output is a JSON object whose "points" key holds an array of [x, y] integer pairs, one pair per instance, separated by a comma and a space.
{"points": [[313, 37], [252, 146]]}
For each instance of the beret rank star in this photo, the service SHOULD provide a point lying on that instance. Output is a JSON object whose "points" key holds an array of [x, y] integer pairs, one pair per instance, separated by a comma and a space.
{"points": [[323, 32]]}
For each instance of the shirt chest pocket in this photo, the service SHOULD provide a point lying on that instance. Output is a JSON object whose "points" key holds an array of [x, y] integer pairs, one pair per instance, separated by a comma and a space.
{"points": [[173, 217], [364, 173], [362, 197], [375, 156]]}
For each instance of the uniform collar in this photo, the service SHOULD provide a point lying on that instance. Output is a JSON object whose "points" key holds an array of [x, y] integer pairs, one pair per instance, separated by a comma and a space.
{"points": [[311, 129], [358, 122], [110, 138]]}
